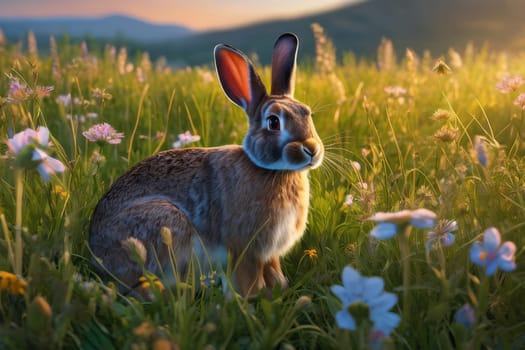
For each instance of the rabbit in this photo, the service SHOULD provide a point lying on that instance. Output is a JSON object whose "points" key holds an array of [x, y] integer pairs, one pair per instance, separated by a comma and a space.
{"points": [[250, 201]]}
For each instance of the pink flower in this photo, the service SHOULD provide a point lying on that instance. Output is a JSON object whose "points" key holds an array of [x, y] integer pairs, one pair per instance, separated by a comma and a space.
{"points": [[102, 134], [349, 200], [28, 148], [520, 101], [395, 91], [43, 91], [510, 84], [185, 139]]}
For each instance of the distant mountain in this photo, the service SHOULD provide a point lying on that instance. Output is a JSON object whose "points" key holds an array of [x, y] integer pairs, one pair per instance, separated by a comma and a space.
{"points": [[107, 28], [436, 25], [418, 24]]}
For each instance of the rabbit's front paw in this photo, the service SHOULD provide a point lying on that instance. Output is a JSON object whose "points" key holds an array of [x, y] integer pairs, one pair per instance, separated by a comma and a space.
{"points": [[273, 274]]}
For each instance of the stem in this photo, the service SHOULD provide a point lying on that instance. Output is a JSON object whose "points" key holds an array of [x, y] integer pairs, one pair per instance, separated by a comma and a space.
{"points": [[405, 254], [19, 188], [443, 273], [481, 309]]}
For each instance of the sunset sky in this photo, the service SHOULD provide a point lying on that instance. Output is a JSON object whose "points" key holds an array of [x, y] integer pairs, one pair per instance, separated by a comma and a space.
{"points": [[195, 14]]}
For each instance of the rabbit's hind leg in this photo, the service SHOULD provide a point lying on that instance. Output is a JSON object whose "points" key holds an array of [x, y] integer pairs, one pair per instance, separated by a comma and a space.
{"points": [[140, 238]]}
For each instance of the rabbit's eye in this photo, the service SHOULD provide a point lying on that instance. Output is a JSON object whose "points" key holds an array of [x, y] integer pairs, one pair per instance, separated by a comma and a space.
{"points": [[273, 123]]}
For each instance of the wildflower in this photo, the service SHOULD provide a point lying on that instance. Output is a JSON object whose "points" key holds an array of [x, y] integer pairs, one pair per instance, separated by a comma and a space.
{"points": [[465, 316], [441, 114], [102, 134], [185, 139], [362, 186], [42, 91], [12, 283], [311, 253], [446, 134], [147, 283], [64, 100], [491, 254], [349, 200], [101, 94], [59, 190], [28, 147], [426, 196], [350, 248], [442, 233], [480, 149], [441, 67], [509, 84], [18, 91], [388, 222], [97, 158], [209, 280], [47, 165], [145, 329], [395, 91], [520, 101], [367, 291], [355, 165]]}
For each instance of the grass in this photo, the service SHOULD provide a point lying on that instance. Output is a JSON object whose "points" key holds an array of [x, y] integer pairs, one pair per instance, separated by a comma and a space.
{"points": [[402, 165]]}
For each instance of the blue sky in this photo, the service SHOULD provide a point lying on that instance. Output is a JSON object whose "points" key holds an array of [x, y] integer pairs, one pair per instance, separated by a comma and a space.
{"points": [[196, 14]]}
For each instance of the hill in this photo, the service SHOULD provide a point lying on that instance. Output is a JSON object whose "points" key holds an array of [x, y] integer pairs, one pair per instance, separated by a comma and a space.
{"points": [[357, 27], [105, 28], [418, 24]]}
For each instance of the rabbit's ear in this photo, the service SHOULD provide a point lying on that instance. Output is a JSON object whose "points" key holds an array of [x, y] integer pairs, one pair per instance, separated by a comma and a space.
{"points": [[283, 64], [238, 78]]}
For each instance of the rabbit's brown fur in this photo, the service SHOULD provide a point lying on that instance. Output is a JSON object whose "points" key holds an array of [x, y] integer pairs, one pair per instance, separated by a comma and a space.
{"points": [[251, 201]]}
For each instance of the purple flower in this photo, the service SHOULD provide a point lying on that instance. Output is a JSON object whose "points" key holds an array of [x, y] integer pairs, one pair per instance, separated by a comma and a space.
{"points": [[102, 134], [465, 316], [18, 91], [64, 100], [28, 149], [480, 149], [442, 233], [47, 165], [368, 291], [388, 222], [491, 254], [185, 139]]}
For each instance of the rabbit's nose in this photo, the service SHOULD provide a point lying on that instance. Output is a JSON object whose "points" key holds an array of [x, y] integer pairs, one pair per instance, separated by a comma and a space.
{"points": [[311, 147]]}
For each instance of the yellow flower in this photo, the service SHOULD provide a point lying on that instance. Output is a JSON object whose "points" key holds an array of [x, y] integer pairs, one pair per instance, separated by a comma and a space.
{"points": [[60, 191], [12, 283], [311, 253], [145, 329], [146, 284]]}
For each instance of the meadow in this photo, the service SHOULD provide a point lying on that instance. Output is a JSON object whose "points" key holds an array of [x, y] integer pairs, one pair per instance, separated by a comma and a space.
{"points": [[401, 133]]}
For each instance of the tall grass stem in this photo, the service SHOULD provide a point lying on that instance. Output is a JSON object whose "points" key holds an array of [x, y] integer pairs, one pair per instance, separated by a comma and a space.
{"points": [[19, 188]]}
